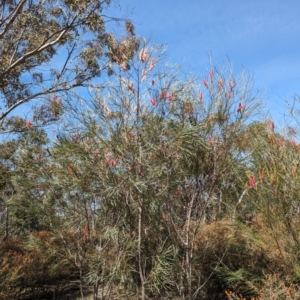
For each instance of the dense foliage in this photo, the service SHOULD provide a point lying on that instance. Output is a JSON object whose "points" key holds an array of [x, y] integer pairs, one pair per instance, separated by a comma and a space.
{"points": [[151, 187]]}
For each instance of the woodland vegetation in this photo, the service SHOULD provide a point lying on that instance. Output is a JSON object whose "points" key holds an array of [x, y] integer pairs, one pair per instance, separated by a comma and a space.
{"points": [[146, 185]]}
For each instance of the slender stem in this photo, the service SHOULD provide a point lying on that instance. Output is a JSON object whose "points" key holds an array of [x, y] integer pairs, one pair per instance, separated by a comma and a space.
{"points": [[6, 224], [140, 254]]}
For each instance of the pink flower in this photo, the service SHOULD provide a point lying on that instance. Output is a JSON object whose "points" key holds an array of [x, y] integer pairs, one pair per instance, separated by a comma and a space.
{"points": [[221, 84], [130, 87], [153, 101], [112, 162], [152, 65], [272, 125], [293, 143], [123, 66], [200, 95], [230, 84], [211, 75], [252, 182], [163, 95], [176, 192], [281, 142], [39, 156], [143, 55], [171, 97], [28, 124], [144, 75], [240, 108], [205, 83], [272, 141]]}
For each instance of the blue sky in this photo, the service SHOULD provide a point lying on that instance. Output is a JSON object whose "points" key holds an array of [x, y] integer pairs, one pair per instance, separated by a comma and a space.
{"points": [[262, 37]]}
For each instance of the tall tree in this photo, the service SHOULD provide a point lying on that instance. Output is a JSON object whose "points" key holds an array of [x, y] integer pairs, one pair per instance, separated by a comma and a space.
{"points": [[51, 46]]}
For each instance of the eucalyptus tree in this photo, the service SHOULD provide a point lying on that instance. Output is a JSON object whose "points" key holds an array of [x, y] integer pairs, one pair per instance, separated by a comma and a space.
{"points": [[49, 47]]}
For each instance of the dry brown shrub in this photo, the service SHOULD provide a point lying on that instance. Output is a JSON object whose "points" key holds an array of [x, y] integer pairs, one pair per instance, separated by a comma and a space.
{"points": [[253, 250], [28, 271]]}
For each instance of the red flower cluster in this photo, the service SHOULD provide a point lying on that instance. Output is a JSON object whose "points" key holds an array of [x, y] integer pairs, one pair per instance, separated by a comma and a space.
{"points": [[240, 108], [281, 142], [200, 97], [153, 101], [272, 126], [143, 56], [39, 156], [171, 97], [28, 124], [221, 84], [163, 95], [252, 182], [110, 161], [211, 75]]}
